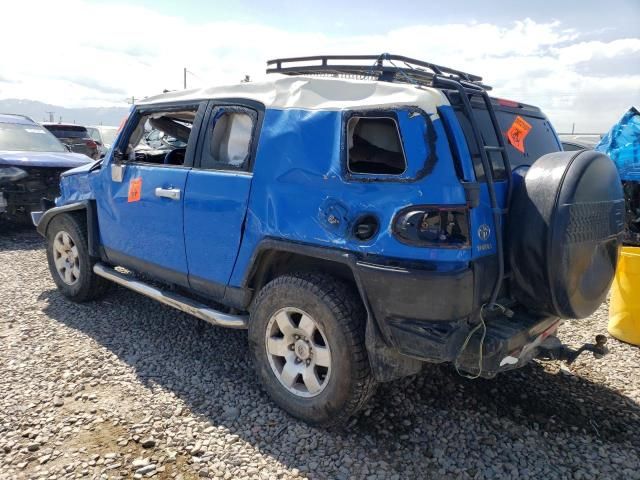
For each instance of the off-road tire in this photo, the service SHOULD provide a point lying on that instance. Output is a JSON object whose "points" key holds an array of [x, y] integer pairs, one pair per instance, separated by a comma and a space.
{"points": [[335, 307], [88, 286]]}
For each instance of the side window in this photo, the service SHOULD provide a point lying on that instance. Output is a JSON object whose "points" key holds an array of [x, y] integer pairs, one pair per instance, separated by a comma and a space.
{"points": [[162, 136], [374, 146], [228, 143]]}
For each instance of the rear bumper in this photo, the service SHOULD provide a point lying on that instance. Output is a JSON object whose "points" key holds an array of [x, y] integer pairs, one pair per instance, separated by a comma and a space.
{"points": [[428, 315]]}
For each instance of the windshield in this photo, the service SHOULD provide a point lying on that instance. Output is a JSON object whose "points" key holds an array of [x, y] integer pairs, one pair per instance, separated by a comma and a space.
{"points": [[28, 138]]}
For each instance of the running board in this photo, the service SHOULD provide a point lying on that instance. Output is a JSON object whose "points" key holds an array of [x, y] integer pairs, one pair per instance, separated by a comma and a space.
{"points": [[172, 299]]}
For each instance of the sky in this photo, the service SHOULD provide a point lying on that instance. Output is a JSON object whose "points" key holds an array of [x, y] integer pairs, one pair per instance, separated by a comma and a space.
{"points": [[577, 60]]}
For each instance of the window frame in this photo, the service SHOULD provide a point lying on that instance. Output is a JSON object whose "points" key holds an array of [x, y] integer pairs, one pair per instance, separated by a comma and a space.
{"points": [[361, 176], [254, 109], [142, 110]]}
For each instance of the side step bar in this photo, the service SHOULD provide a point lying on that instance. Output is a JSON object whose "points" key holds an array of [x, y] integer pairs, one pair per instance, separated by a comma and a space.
{"points": [[174, 300]]}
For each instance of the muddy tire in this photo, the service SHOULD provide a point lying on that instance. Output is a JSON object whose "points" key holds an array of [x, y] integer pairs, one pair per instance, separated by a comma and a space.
{"points": [[69, 261], [306, 335]]}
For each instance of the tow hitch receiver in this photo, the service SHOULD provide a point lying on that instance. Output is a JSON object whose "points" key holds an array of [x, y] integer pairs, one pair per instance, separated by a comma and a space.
{"points": [[552, 349]]}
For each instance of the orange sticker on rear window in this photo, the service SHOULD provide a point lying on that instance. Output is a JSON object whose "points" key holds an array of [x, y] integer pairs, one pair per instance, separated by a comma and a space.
{"points": [[518, 132], [135, 188]]}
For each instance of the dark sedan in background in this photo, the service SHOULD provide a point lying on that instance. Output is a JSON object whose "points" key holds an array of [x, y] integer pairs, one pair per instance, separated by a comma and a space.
{"points": [[76, 137], [31, 161], [573, 142]]}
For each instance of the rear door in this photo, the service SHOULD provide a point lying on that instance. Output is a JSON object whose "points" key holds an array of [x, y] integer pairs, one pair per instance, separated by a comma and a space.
{"points": [[217, 193], [527, 135]]}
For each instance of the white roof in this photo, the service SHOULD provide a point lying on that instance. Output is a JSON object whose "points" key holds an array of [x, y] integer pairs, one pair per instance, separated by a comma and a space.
{"points": [[315, 93]]}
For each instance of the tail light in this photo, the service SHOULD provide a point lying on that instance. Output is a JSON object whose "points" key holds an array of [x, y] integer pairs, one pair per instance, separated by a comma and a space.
{"points": [[429, 226], [508, 103], [91, 144]]}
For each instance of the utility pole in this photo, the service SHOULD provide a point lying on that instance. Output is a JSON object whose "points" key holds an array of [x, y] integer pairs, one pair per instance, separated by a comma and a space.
{"points": [[50, 116], [184, 77], [573, 127]]}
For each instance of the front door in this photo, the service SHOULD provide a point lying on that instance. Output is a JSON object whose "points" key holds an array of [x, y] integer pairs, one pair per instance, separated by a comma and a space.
{"points": [[217, 193], [141, 211]]}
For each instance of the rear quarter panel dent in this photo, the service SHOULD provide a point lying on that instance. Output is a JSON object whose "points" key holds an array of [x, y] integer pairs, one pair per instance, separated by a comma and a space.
{"points": [[297, 181]]}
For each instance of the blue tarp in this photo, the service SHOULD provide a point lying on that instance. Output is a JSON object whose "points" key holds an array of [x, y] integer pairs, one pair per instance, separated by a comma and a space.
{"points": [[622, 144]]}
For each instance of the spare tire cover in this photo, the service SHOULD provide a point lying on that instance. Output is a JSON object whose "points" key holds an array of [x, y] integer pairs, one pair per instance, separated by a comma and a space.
{"points": [[564, 232]]}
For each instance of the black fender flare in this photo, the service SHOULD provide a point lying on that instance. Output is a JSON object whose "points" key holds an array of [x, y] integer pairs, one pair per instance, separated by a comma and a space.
{"points": [[89, 207], [387, 363]]}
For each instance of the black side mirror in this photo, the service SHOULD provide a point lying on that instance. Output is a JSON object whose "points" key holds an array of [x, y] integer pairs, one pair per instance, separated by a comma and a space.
{"points": [[118, 156]]}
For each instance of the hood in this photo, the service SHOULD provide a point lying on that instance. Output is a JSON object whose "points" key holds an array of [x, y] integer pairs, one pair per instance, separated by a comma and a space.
{"points": [[43, 159], [81, 169]]}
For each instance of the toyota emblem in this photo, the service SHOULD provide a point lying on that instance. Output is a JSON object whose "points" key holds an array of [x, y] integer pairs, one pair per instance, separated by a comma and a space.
{"points": [[484, 231]]}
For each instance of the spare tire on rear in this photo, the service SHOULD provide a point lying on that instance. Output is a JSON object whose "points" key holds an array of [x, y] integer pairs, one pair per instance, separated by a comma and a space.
{"points": [[565, 225]]}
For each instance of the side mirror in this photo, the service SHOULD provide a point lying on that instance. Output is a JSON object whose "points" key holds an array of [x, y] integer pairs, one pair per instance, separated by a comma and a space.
{"points": [[67, 147], [117, 166]]}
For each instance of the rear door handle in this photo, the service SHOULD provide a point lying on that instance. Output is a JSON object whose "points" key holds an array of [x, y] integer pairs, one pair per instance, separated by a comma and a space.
{"points": [[172, 193]]}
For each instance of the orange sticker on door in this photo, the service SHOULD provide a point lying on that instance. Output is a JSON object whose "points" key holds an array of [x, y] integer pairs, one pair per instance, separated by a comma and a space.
{"points": [[518, 132], [135, 189]]}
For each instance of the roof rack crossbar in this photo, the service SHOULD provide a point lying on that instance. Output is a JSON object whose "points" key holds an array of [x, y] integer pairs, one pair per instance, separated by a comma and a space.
{"points": [[382, 66]]}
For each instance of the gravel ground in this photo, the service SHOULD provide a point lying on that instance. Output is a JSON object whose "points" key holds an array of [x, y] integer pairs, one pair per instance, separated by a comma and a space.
{"points": [[126, 387]]}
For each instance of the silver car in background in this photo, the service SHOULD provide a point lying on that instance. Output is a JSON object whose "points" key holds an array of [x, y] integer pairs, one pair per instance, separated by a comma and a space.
{"points": [[104, 136]]}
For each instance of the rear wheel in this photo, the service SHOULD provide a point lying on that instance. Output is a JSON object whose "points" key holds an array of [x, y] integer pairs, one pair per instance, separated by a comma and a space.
{"points": [[69, 261], [307, 339]]}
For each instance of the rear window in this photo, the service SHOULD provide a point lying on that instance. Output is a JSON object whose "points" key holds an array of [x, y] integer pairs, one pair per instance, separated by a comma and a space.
{"points": [[68, 131], [539, 141]]}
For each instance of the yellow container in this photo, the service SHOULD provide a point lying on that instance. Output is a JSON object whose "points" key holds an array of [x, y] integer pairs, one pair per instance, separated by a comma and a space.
{"points": [[624, 309]]}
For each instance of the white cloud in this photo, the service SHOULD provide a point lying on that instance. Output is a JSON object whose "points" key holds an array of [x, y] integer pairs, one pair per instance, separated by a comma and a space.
{"points": [[81, 54]]}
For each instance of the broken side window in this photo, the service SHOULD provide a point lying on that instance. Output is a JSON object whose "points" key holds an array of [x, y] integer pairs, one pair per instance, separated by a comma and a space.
{"points": [[375, 146], [161, 137]]}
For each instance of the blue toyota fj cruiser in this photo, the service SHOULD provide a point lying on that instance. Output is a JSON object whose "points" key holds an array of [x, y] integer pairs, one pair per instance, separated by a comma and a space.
{"points": [[360, 215]]}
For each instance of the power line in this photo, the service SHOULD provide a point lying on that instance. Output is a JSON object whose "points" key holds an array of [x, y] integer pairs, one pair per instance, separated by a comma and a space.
{"points": [[184, 77]]}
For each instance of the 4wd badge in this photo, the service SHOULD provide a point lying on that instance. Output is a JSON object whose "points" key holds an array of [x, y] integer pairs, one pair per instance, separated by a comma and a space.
{"points": [[484, 231]]}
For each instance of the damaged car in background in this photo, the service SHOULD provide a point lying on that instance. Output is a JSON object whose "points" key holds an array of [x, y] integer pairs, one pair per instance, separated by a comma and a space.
{"points": [[75, 137], [31, 161]]}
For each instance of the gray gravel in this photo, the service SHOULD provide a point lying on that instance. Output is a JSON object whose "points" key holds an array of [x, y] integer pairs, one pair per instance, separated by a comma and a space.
{"points": [[125, 387]]}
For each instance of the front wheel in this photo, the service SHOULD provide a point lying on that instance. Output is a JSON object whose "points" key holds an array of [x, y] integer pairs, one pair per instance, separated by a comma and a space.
{"points": [[69, 261], [307, 338]]}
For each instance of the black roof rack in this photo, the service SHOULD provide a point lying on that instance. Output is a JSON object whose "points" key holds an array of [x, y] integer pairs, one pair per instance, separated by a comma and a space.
{"points": [[385, 67]]}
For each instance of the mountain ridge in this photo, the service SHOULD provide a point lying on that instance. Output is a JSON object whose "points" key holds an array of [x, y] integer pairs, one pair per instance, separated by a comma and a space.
{"points": [[39, 112]]}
